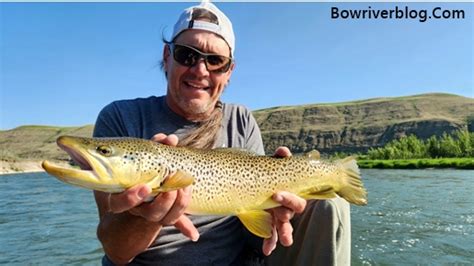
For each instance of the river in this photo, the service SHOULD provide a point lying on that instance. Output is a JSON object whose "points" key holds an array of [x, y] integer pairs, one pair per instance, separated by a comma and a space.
{"points": [[413, 217]]}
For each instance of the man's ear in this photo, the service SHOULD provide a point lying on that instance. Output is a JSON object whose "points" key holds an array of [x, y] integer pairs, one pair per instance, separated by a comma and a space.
{"points": [[166, 56], [231, 69]]}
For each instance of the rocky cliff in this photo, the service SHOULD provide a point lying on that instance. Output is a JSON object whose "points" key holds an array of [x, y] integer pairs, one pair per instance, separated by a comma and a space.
{"points": [[360, 125]]}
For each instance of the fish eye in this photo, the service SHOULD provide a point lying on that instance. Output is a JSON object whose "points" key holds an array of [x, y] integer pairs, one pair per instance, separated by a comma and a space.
{"points": [[104, 150]]}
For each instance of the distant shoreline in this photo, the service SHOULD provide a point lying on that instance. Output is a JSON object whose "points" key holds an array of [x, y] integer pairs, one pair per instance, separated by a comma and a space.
{"points": [[19, 167], [29, 171], [437, 163]]}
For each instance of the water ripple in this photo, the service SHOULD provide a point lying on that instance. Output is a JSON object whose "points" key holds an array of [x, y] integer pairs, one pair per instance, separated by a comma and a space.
{"points": [[413, 217], [45, 222]]}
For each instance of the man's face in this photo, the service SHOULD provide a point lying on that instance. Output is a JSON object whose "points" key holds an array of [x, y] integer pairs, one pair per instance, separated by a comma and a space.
{"points": [[193, 91]]}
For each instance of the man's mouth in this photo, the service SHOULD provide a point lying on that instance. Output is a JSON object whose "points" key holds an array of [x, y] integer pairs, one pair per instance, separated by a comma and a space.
{"points": [[196, 85]]}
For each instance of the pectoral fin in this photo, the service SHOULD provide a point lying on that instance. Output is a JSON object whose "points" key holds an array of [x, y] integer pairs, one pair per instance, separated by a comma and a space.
{"points": [[258, 222], [178, 180]]}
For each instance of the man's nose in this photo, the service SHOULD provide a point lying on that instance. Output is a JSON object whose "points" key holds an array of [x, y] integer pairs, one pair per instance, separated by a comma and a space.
{"points": [[200, 67]]}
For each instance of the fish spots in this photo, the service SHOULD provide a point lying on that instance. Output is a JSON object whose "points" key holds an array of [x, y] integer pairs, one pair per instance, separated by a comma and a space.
{"points": [[225, 180]]}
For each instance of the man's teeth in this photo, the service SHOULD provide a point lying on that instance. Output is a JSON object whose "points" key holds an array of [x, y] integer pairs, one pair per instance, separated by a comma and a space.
{"points": [[196, 86]]}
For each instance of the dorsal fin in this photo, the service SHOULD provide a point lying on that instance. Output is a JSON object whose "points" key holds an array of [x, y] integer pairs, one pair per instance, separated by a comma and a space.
{"points": [[235, 151], [313, 155]]}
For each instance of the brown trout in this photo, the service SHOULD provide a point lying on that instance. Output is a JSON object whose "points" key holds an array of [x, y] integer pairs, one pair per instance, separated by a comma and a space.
{"points": [[225, 181]]}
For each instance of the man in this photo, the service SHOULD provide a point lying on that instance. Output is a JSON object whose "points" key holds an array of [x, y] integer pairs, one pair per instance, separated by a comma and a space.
{"points": [[198, 63]]}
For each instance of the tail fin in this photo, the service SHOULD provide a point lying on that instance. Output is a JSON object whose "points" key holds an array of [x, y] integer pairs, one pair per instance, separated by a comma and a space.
{"points": [[352, 189]]}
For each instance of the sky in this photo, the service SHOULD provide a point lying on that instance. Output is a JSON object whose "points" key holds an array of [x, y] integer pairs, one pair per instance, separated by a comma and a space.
{"points": [[61, 63]]}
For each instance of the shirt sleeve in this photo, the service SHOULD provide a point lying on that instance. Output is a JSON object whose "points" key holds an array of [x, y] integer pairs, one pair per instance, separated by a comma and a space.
{"points": [[109, 123], [254, 138]]}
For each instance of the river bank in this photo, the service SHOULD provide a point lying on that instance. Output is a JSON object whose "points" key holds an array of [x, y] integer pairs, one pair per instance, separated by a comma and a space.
{"points": [[456, 163], [12, 167], [22, 166]]}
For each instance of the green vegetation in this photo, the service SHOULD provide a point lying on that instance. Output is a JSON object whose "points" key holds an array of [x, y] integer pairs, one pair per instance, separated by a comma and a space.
{"points": [[447, 151], [459, 163], [458, 145]]}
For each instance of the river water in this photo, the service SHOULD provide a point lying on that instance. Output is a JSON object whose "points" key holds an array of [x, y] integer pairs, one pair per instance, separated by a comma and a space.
{"points": [[413, 217]]}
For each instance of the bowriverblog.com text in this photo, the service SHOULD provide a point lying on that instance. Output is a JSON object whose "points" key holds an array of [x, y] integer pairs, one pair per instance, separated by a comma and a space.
{"points": [[422, 15]]}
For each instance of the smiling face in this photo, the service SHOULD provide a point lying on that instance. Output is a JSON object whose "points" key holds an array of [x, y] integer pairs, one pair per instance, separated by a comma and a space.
{"points": [[193, 91]]}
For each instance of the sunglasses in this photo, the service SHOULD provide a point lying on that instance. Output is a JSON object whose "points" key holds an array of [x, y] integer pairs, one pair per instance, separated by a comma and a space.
{"points": [[190, 56]]}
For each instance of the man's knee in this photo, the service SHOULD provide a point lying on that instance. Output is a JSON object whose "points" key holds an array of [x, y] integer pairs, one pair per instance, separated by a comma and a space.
{"points": [[327, 210]]}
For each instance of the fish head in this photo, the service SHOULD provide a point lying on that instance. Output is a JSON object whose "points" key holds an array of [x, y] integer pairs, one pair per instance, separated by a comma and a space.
{"points": [[109, 164]]}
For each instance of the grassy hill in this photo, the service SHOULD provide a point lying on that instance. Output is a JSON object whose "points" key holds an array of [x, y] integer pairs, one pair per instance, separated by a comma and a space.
{"points": [[347, 127], [23, 148], [358, 125]]}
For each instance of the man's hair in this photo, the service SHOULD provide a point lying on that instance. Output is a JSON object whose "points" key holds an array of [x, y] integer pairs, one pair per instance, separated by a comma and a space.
{"points": [[205, 135], [204, 15], [206, 132]]}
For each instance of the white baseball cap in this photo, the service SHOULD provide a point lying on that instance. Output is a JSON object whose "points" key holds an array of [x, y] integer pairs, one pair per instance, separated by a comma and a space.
{"points": [[220, 24]]}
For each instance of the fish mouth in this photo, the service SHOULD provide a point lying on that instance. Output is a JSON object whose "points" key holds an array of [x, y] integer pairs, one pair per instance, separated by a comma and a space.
{"points": [[75, 155], [90, 172]]}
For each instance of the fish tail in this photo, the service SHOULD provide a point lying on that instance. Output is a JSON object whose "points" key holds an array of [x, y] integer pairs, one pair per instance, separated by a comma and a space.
{"points": [[352, 189]]}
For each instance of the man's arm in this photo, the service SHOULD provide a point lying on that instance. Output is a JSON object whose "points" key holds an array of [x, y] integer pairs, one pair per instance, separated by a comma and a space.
{"points": [[123, 235], [127, 226]]}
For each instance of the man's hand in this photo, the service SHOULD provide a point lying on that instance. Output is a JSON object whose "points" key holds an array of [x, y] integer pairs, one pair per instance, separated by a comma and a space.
{"points": [[166, 209], [282, 215]]}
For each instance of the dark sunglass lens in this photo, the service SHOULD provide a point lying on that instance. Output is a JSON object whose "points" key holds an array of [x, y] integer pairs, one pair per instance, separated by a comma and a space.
{"points": [[218, 63], [216, 60], [185, 55]]}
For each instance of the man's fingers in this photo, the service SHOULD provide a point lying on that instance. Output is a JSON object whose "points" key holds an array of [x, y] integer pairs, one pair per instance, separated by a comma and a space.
{"points": [[187, 228], [168, 209], [171, 139], [120, 202], [269, 244], [290, 201], [285, 233], [158, 208], [283, 213], [282, 151], [159, 137], [177, 210]]}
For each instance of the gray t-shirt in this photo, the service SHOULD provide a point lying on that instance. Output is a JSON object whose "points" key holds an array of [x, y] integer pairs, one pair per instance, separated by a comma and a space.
{"points": [[223, 239]]}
